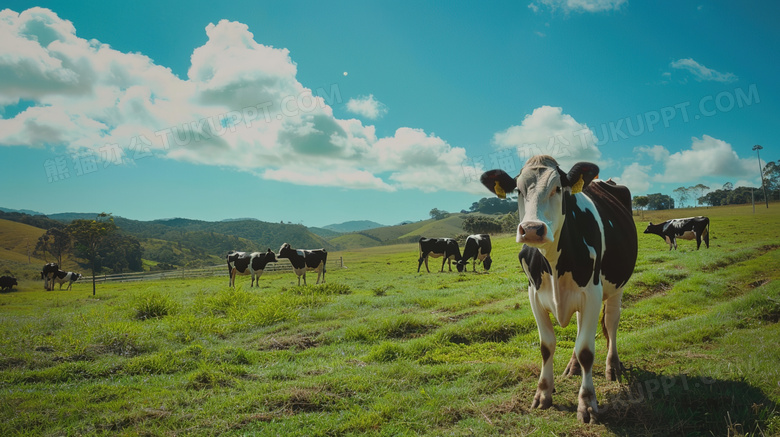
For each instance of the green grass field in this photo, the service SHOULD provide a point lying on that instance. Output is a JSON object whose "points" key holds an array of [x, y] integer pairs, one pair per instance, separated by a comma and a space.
{"points": [[383, 350]]}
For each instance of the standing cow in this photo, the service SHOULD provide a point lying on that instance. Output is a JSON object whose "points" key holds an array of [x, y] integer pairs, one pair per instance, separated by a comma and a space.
{"points": [[477, 247], [241, 263], [61, 277], [305, 261], [7, 283], [447, 248], [47, 274], [580, 248], [684, 228]]}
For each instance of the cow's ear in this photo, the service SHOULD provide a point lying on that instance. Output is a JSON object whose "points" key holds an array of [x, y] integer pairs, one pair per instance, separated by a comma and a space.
{"points": [[498, 182], [580, 175]]}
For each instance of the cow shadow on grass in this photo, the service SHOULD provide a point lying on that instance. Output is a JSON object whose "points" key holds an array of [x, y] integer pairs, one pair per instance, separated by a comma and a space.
{"points": [[649, 403]]}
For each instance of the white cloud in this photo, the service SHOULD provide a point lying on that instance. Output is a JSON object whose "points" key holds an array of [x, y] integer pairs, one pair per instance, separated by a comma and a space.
{"points": [[547, 130], [580, 5], [636, 177], [708, 157], [367, 106], [241, 106], [702, 73], [658, 153]]}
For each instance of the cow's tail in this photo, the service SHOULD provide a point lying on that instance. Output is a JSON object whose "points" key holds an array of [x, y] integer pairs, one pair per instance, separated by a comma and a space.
{"points": [[603, 325]]}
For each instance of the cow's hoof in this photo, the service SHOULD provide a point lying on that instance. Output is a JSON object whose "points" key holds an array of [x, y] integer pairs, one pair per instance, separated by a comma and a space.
{"points": [[541, 401], [573, 368], [586, 415]]}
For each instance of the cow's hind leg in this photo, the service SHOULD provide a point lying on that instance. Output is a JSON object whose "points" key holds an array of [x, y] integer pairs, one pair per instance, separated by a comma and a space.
{"points": [[609, 326], [574, 368], [545, 386]]}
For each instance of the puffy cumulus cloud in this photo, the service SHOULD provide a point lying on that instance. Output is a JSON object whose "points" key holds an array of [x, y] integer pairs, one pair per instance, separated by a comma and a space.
{"points": [[708, 157], [636, 177], [702, 73], [240, 106], [579, 5], [658, 153], [547, 130], [367, 106]]}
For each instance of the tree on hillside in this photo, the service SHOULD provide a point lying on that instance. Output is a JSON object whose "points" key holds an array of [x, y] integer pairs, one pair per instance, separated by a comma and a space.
{"points": [[87, 236], [728, 186], [438, 214], [682, 194], [56, 241], [494, 205], [476, 224]]}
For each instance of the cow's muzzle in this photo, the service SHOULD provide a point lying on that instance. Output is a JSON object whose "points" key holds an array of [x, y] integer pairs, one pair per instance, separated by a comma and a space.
{"points": [[531, 232]]}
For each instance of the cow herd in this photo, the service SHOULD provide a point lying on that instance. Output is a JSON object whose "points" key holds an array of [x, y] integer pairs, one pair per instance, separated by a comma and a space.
{"points": [[579, 251]]}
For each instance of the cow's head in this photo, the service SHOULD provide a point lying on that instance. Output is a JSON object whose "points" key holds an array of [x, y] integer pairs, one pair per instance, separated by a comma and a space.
{"points": [[541, 189], [285, 250], [270, 256], [487, 262]]}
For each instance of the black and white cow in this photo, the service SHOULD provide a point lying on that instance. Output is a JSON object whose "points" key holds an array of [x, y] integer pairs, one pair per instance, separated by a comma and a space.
{"points": [[685, 228], [478, 247], [7, 283], [447, 248], [47, 274], [305, 261], [61, 277], [242, 263], [580, 248]]}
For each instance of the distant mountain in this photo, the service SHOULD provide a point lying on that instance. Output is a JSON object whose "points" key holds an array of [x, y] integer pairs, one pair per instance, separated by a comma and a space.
{"points": [[354, 226], [23, 211]]}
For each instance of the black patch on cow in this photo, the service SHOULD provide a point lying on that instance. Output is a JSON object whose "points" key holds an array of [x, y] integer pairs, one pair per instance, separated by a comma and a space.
{"points": [[545, 353], [537, 265], [613, 202], [259, 261], [580, 231], [586, 359], [241, 263]]}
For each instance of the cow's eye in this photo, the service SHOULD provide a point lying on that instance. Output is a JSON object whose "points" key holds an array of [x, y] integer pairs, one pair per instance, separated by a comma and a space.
{"points": [[557, 190]]}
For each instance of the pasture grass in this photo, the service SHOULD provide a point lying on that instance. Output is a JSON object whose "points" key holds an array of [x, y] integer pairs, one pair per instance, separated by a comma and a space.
{"points": [[383, 350]]}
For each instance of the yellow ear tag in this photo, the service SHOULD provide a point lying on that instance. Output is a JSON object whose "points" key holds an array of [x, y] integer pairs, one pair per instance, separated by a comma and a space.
{"points": [[499, 191], [577, 187]]}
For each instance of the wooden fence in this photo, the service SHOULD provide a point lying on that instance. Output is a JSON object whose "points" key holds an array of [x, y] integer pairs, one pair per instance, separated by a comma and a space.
{"points": [[218, 270]]}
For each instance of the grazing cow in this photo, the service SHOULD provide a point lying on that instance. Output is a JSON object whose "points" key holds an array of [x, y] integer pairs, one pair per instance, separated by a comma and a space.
{"points": [[305, 261], [439, 247], [477, 247], [580, 248], [61, 277], [685, 228], [47, 274], [7, 283], [241, 263]]}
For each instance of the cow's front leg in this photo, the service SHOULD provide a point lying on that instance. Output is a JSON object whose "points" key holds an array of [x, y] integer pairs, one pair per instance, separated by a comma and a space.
{"points": [[584, 347], [544, 389]]}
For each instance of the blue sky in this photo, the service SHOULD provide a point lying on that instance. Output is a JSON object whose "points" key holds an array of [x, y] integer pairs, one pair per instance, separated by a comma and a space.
{"points": [[321, 112]]}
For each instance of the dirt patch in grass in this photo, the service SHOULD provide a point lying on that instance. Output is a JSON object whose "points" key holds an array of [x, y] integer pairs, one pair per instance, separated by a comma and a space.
{"points": [[298, 341]]}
